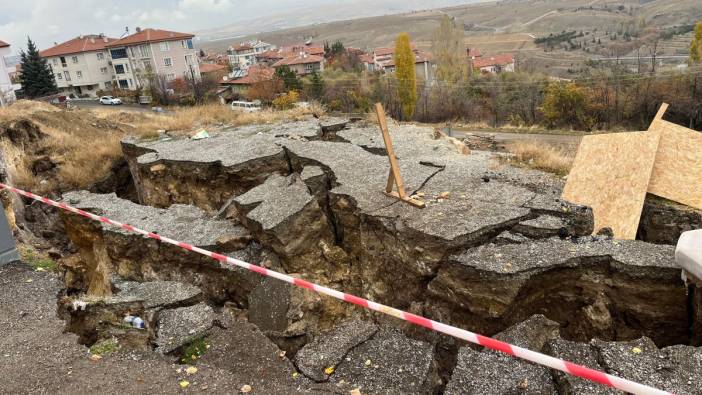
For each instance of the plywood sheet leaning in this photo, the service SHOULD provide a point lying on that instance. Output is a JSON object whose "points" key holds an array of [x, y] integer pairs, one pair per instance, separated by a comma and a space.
{"points": [[611, 174], [677, 172]]}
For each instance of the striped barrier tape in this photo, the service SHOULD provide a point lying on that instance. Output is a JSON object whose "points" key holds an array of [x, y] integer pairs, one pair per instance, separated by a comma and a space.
{"points": [[519, 352]]}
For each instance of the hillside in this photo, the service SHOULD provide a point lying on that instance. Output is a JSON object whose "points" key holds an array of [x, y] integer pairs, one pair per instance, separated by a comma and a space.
{"points": [[502, 26]]}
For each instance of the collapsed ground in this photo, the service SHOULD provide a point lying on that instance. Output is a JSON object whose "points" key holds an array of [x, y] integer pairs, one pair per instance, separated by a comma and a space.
{"points": [[495, 251]]}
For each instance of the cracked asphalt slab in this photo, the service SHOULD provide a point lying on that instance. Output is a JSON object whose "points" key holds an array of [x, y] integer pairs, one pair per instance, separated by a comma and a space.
{"points": [[37, 356]]}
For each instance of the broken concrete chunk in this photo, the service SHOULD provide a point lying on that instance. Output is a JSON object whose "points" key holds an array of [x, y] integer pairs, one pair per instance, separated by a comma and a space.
{"points": [[493, 372], [153, 294], [677, 369], [542, 227], [328, 349], [389, 363], [581, 354], [178, 327], [332, 124]]}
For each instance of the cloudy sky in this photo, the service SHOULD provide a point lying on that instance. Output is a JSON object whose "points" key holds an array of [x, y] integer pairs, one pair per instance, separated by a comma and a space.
{"points": [[49, 21]]}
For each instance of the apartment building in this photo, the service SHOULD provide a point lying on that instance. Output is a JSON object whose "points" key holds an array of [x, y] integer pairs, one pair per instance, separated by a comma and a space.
{"points": [[7, 92], [81, 65], [152, 52], [244, 55]]}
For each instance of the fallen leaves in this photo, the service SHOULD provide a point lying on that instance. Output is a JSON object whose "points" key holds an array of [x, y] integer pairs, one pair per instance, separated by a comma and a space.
{"points": [[184, 384]]}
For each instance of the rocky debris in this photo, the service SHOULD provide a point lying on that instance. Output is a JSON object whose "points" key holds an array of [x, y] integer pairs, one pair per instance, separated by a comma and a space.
{"points": [[493, 372], [542, 227], [107, 251], [331, 125], [595, 288], [479, 142], [662, 221], [178, 327], [329, 349], [388, 363]]}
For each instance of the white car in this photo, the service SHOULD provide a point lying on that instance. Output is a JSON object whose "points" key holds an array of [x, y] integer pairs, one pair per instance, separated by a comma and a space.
{"points": [[110, 101], [246, 106]]}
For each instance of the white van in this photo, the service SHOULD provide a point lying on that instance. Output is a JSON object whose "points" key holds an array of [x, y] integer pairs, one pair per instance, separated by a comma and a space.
{"points": [[246, 106]]}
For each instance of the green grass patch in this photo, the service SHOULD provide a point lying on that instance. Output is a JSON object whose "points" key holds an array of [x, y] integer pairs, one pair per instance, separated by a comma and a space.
{"points": [[194, 351], [105, 347], [37, 262]]}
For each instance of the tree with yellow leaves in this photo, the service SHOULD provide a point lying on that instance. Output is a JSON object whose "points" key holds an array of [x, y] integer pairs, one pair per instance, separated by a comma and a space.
{"points": [[696, 45], [405, 75]]}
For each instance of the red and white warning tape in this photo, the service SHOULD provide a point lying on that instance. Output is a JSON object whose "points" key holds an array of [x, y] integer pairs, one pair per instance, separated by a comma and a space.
{"points": [[519, 352]]}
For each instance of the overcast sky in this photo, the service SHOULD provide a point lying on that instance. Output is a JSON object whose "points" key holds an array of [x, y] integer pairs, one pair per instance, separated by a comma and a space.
{"points": [[49, 21]]}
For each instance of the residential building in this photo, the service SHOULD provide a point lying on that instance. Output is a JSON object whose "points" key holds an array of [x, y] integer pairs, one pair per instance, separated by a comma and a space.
{"points": [[81, 66], [153, 52], [256, 74], [7, 92], [213, 71], [384, 60], [302, 63], [494, 64], [243, 55]]}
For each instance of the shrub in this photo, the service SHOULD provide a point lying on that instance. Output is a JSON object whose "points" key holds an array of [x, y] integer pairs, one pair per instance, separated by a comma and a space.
{"points": [[286, 101]]}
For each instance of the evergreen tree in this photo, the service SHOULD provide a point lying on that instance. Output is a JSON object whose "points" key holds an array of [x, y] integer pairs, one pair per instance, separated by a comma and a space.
{"points": [[289, 78], [449, 50], [316, 86], [36, 78], [696, 45], [406, 75]]}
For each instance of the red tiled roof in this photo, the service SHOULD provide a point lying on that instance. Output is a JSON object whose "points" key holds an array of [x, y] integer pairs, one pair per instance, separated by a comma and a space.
{"points": [[419, 57], [210, 67], [496, 60], [270, 54], [304, 59], [242, 47], [365, 58], [151, 35], [256, 74], [3, 44], [91, 42]]}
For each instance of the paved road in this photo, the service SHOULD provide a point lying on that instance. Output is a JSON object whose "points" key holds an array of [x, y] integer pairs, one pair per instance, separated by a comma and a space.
{"points": [[121, 107]]}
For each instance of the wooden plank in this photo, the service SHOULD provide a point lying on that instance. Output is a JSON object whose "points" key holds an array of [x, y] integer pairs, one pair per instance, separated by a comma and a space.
{"points": [[611, 174], [414, 202], [394, 168], [677, 172], [659, 116]]}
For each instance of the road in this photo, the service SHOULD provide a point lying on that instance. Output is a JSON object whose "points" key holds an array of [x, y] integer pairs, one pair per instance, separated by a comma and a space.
{"points": [[121, 107]]}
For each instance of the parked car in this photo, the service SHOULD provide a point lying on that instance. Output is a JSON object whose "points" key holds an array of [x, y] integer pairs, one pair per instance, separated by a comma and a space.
{"points": [[246, 106], [110, 101]]}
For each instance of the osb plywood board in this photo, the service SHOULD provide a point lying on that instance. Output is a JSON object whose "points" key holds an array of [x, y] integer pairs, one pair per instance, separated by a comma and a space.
{"points": [[677, 171], [611, 174]]}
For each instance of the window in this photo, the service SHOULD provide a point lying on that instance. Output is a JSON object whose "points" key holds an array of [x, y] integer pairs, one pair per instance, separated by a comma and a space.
{"points": [[55, 62], [170, 77], [67, 75], [100, 56], [147, 64], [103, 70], [74, 59], [168, 62], [119, 69], [108, 85], [189, 44], [188, 59], [63, 61], [164, 46], [59, 76], [79, 74], [124, 84], [144, 50], [182, 43], [119, 53]]}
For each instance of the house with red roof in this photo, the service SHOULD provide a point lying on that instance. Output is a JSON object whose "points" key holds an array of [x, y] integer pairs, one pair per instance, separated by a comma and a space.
{"points": [[213, 71], [302, 63], [493, 64], [384, 60], [7, 92], [81, 65], [244, 55], [149, 52], [255, 74]]}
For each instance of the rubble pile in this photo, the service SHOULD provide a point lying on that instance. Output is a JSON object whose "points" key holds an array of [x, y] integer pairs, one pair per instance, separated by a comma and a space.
{"points": [[494, 246]]}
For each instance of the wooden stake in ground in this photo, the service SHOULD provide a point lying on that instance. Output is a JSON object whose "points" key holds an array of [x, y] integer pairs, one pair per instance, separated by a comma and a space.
{"points": [[394, 176]]}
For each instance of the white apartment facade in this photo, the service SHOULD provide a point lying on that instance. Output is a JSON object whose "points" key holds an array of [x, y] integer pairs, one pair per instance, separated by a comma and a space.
{"points": [[81, 66], [242, 56], [7, 92], [148, 52]]}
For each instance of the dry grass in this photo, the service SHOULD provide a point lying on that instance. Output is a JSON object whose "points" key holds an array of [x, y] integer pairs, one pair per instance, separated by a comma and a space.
{"points": [[541, 157], [85, 144]]}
